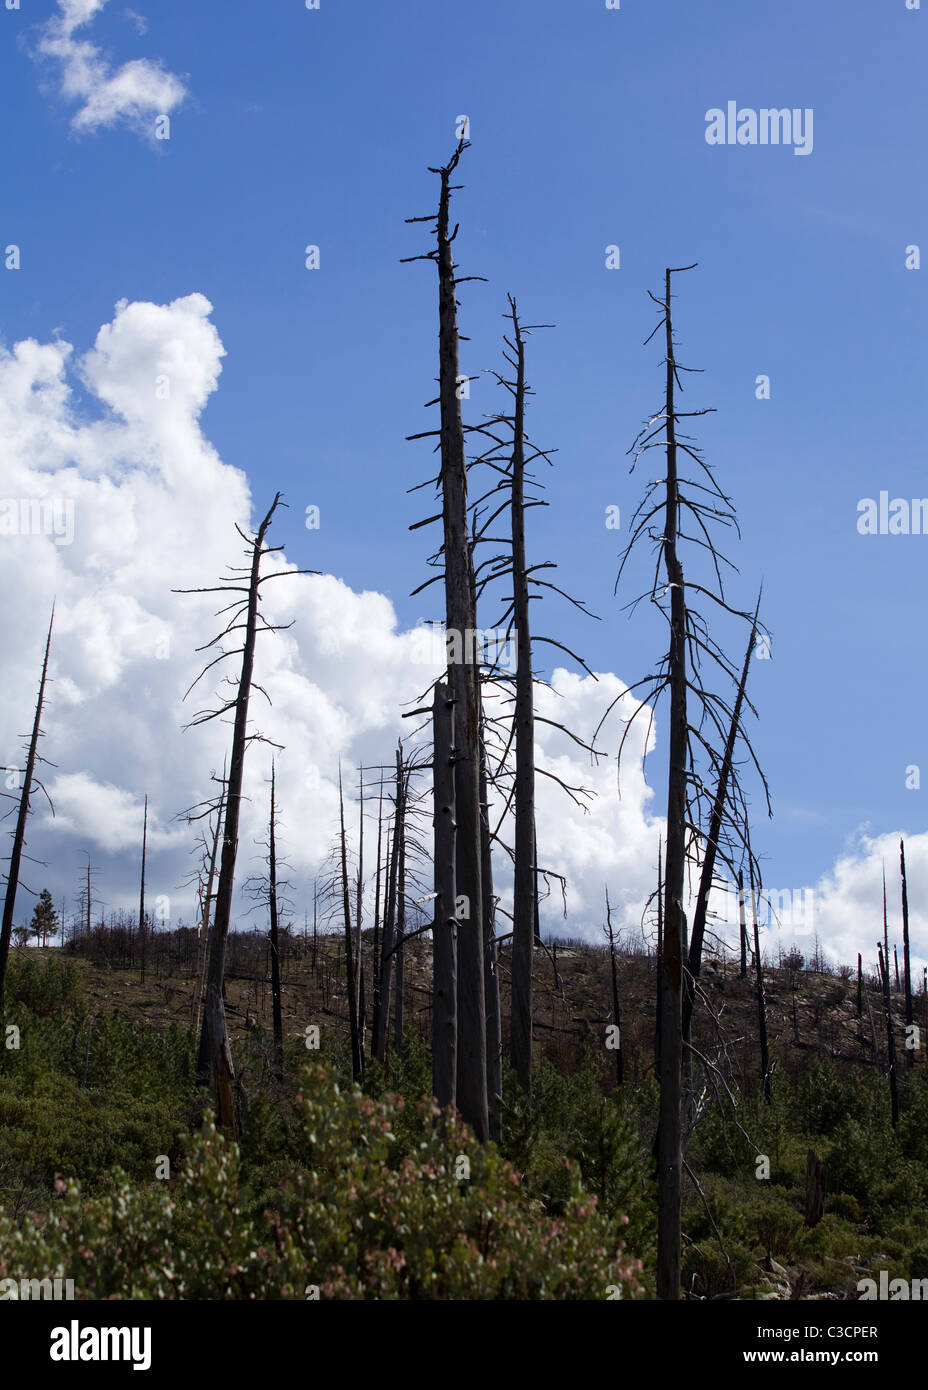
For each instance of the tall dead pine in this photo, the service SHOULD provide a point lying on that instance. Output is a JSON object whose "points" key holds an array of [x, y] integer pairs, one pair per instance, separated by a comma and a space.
{"points": [[245, 618], [276, 1008], [22, 815], [461, 627], [906, 958], [890, 1037]]}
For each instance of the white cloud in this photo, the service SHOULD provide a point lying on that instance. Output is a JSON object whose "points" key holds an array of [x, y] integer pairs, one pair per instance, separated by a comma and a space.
{"points": [[155, 509], [135, 94]]}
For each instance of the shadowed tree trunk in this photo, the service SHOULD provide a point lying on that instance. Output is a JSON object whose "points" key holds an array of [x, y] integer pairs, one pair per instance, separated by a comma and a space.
{"points": [[742, 926], [19, 833], [860, 987], [490, 962], [444, 931], [890, 1037]]}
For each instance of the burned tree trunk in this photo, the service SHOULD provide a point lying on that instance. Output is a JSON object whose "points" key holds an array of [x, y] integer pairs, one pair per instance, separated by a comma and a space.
{"points": [[246, 617], [712, 843], [358, 916], [659, 970], [523, 906], [205, 930], [444, 931], [388, 938], [19, 833], [616, 1012], [398, 1019], [669, 1139], [860, 987], [742, 924], [890, 1037], [761, 999], [142, 923], [275, 937], [815, 1188], [357, 1061], [461, 627], [906, 958], [490, 961]]}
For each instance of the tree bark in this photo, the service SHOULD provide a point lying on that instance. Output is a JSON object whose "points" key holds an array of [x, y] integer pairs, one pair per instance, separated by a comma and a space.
{"points": [[490, 963], [444, 931], [461, 622], [669, 1145]]}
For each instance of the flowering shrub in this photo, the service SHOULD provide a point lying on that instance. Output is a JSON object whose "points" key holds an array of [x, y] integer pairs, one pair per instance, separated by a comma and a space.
{"points": [[448, 1220]]}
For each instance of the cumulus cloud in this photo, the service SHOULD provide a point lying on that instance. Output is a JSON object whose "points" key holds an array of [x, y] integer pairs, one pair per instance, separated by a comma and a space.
{"points": [[154, 509], [135, 93]]}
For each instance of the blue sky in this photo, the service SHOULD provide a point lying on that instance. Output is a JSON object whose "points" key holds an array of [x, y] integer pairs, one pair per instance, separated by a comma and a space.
{"points": [[587, 129]]}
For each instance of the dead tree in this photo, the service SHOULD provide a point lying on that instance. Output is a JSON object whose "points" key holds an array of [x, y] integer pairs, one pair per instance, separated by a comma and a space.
{"points": [[700, 729], [19, 834], [490, 958], [906, 958], [885, 922], [707, 874], [357, 1061], [742, 926], [244, 617], [511, 455], [444, 931], [616, 1012], [274, 933], [761, 999], [890, 1037], [860, 987], [523, 901], [358, 915], [205, 918], [461, 625], [142, 922], [388, 937], [399, 974]]}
